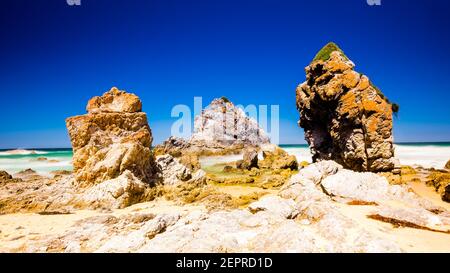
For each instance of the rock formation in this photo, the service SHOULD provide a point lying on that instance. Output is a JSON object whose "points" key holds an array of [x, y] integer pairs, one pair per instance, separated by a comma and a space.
{"points": [[221, 128], [446, 194], [447, 165], [116, 193], [440, 180], [345, 117], [222, 125], [174, 146], [180, 148], [276, 158], [7, 178], [249, 160], [172, 172], [112, 138]]}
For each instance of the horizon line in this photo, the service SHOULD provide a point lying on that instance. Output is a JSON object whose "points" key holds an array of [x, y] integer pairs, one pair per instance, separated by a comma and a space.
{"points": [[284, 144]]}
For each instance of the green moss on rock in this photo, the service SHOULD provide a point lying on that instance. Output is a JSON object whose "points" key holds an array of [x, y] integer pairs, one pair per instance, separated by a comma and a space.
{"points": [[325, 52], [395, 106], [225, 99]]}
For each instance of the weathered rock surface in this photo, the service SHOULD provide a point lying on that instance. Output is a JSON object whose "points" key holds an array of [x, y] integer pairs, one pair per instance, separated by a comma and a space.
{"points": [[249, 160], [447, 165], [173, 173], [7, 178], [440, 180], [174, 146], [277, 159], [114, 101], [112, 138], [113, 164], [116, 193], [397, 203], [221, 128], [34, 193], [222, 125], [345, 117], [446, 194]]}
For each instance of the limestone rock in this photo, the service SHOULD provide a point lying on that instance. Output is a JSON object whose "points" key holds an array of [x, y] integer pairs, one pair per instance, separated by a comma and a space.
{"points": [[440, 180], [28, 174], [249, 161], [112, 138], [119, 192], [174, 146], [115, 101], [173, 173], [277, 159], [7, 178], [412, 217], [223, 126], [191, 161], [283, 207], [345, 117], [367, 187]]}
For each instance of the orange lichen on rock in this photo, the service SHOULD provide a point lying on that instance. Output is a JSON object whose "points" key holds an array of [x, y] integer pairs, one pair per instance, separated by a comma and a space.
{"points": [[345, 117]]}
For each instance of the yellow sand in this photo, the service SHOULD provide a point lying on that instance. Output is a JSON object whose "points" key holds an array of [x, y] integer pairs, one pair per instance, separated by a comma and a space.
{"points": [[18, 228]]}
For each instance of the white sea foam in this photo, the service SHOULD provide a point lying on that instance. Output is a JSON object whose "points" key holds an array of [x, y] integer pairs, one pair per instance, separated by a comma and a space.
{"points": [[301, 153], [23, 152], [429, 156], [13, 163]]}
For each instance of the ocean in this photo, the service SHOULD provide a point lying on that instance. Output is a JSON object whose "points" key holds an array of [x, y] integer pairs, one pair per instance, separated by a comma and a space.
{"points": [[43, 161], [14, 161], [425, 154]]}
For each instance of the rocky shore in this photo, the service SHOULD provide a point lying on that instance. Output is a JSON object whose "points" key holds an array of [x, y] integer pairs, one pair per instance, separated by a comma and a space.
{"points": [[125, 196]]}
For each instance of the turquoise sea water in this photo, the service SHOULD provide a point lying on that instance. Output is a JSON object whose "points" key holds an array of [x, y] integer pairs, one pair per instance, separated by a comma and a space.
{"points": [[431, 154], [18, 160]]}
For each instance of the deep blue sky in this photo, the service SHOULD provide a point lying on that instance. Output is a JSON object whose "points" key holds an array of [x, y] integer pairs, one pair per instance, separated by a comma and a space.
{"points": [[54, 57]]}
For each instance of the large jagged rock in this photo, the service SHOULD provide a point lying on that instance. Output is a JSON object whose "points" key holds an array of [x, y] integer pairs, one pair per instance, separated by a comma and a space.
{"points": [[223, 128], [345, 117], [447, 165], [112, 138]]}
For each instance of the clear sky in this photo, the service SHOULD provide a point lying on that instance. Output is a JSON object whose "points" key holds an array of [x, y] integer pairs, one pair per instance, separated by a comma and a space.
{"points": [[54, 57]]}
